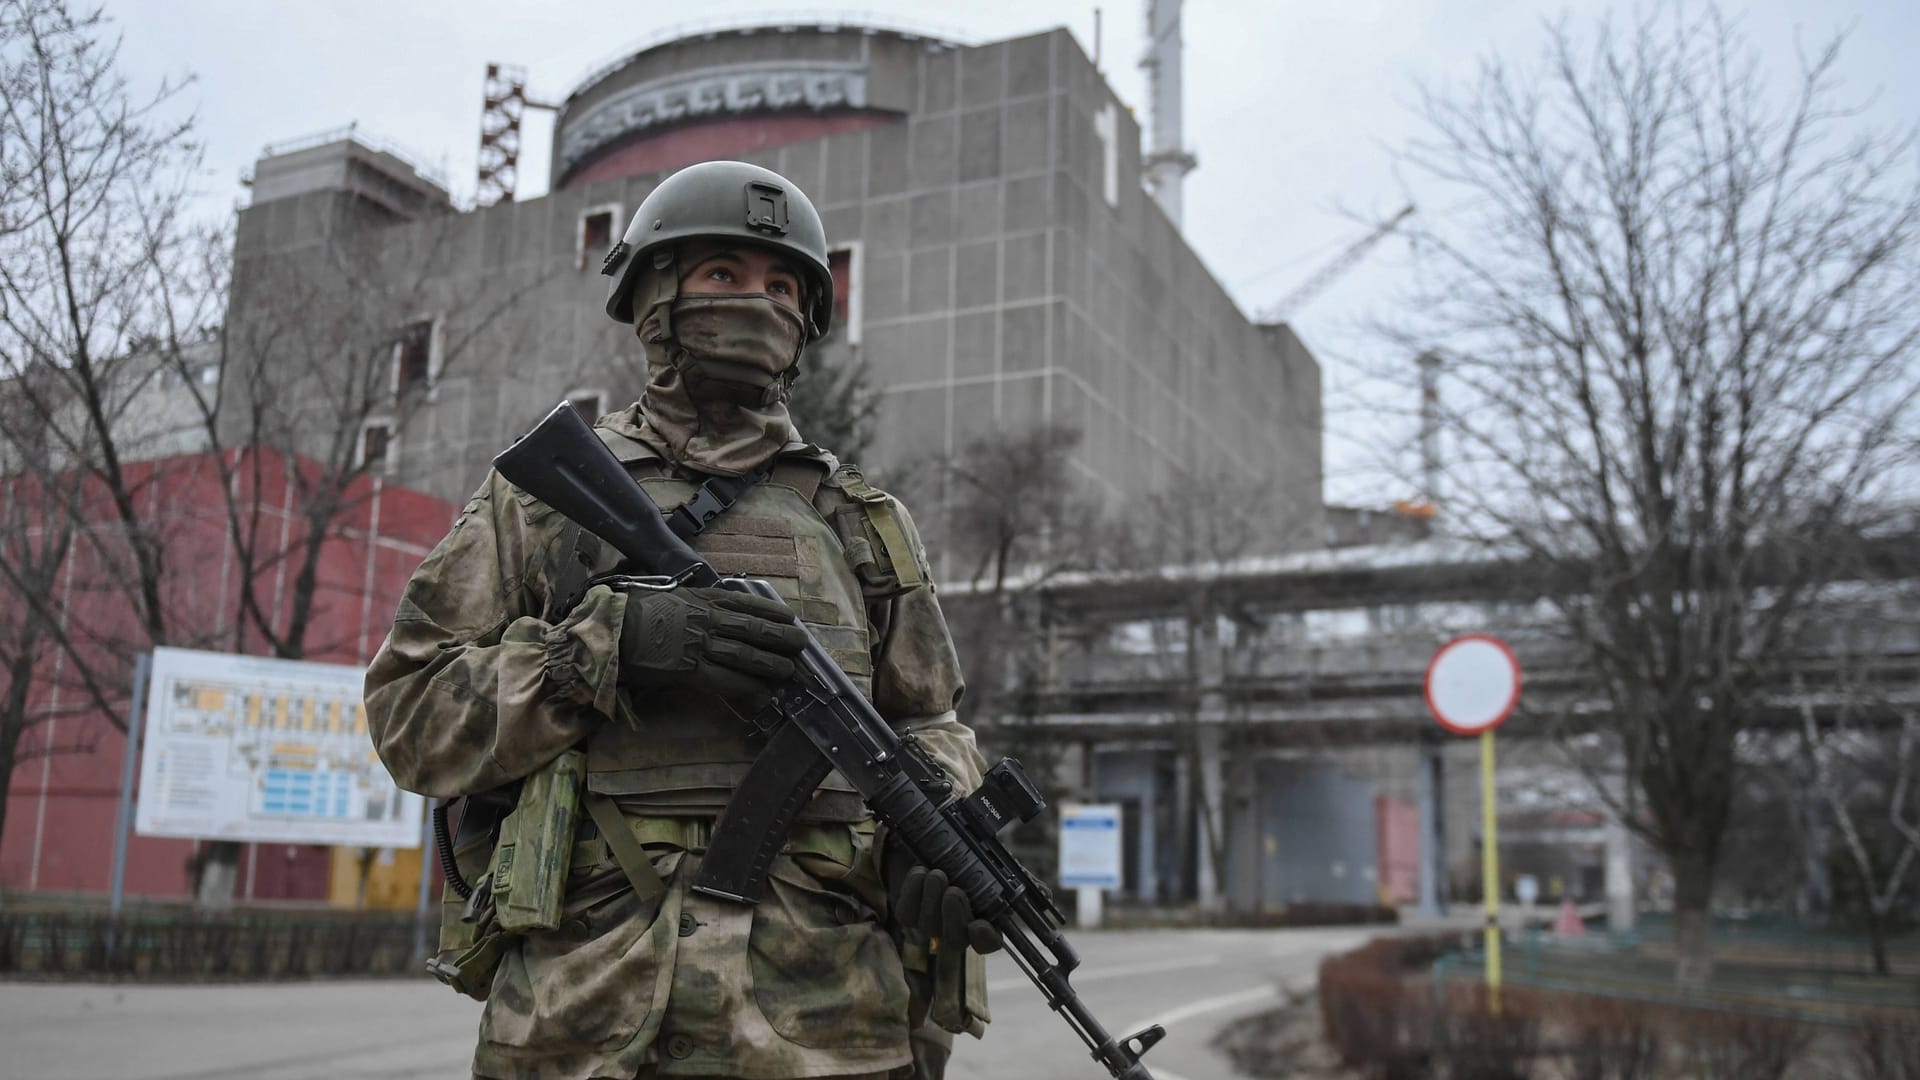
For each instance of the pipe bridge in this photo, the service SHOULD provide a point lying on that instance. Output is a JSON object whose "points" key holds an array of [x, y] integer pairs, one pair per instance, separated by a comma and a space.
{"points": [[1331, 647]]}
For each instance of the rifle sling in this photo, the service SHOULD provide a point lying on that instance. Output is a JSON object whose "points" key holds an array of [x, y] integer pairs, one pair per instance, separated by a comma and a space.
{"points": [[633, 858]]}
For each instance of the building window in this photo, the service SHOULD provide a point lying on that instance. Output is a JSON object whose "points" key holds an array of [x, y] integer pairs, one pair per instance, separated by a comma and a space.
{"points": [[590, 404], [595, 234], [844, 264], [376, 450], [413, 366]]}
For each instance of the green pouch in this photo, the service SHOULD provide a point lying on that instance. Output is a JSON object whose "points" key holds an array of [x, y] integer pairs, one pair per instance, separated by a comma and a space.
{"points": [[530, 864], [470, 940]]}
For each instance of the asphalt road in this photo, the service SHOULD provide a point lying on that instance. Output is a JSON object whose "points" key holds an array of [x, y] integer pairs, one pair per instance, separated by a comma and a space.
{"points": [[1190, 981]]}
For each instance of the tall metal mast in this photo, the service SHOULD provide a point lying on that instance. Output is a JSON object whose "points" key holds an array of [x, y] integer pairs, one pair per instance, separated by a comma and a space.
{"points": [[504, 103], [1167, 160]]}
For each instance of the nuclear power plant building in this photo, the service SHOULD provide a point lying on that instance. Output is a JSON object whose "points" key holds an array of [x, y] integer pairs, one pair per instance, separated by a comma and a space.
{"points": [[998, 262]]}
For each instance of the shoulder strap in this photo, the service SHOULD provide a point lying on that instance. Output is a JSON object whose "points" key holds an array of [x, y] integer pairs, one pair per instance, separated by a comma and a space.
{"points": [[803, 475]]}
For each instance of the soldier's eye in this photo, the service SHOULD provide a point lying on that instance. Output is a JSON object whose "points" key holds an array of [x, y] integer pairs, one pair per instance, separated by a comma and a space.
{"points": [[720, 273]]}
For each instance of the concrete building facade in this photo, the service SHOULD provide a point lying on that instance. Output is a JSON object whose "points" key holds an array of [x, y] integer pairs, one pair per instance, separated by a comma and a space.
{"points": [[998, 266], [999, 263]]}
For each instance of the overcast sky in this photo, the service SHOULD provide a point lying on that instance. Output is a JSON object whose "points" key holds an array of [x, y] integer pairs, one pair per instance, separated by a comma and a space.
{"points": [[1293, 108]]}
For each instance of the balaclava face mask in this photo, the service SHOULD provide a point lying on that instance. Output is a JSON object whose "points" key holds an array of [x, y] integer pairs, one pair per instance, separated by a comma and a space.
{"points": [[718, 370]]}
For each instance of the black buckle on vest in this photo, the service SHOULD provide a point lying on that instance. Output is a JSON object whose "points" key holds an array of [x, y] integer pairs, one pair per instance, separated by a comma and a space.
{"points": [[711, 500], [690, 517]]}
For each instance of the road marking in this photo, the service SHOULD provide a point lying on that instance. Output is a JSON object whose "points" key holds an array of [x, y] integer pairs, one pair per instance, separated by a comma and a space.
{"points": [[1207, 1005], [1104, 974], [1124, 972]]}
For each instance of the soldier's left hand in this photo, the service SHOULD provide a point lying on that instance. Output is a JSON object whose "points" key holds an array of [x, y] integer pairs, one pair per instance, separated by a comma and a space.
{"points": [[923, 901], [938, 926]]}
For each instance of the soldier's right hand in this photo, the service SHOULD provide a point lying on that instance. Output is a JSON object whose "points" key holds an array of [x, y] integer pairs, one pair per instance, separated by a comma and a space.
{"points": [[734, 644]]}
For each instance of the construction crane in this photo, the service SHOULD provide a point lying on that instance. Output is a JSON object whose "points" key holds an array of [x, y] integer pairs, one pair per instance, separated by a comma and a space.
{"points": [[505, 102], [1334, 269]]}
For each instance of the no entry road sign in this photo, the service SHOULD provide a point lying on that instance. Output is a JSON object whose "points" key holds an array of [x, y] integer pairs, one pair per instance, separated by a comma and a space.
{"points": [[1473, 683]]}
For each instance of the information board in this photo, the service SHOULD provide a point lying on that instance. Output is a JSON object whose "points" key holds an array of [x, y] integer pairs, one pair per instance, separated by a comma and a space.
{"points": [[1090, 846], [251, 748]]}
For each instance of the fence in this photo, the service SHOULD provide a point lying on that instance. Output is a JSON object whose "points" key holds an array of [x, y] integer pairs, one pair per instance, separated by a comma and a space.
{"points": [[181, 944], [1776, 971], [1404, 1009]]}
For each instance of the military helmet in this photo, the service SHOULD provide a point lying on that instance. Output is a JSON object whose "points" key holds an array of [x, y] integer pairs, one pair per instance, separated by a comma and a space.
{"points": [[727, 200]]}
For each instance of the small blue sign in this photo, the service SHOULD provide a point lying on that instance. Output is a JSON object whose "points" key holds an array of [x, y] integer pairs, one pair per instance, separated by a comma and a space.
{"points": [[1090, 846]]}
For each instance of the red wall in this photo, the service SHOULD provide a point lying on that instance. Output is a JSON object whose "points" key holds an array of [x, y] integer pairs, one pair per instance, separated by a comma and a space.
{"points": [[58, 835], [1398, 846], [715, 140]]}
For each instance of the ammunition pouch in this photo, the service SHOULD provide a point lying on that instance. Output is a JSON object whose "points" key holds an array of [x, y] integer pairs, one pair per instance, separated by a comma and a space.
{"points": [[471, 941], [530, 863], [525, 855], [873, 537]]}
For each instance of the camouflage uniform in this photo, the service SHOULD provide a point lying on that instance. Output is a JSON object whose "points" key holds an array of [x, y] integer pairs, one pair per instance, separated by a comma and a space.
{"points": [[473, 689]]}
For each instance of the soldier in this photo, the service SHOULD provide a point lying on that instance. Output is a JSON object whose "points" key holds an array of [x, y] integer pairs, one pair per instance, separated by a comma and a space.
{"points": [[493, 668]]}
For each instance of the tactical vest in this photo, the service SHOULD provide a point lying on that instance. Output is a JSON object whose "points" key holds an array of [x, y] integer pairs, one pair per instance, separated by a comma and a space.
{"points": [[687, 749], [828, 543]]}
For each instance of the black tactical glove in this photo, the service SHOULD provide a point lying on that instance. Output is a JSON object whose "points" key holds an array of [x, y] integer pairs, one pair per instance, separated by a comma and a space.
{"points": [[923, 902], [937, 927], [734, 644]]}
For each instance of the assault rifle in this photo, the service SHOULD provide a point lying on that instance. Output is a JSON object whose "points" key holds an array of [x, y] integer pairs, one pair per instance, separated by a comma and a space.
{"points": [[819, 722]]}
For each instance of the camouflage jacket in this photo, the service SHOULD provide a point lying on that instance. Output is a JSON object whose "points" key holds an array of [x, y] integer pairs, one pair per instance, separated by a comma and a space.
{"points": [[474, 689]]}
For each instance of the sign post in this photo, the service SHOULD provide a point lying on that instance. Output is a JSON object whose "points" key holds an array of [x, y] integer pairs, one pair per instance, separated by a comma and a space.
{"points": [[1089, 855], [1472, 686], [123, 816]]}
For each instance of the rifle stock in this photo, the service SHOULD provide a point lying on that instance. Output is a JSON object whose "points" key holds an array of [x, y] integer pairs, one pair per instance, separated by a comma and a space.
{"points": [[820, 720]]}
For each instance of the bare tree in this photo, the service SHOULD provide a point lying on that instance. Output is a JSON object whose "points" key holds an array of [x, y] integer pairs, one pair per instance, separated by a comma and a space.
{"points": [[1010, 497], [320, 347], [1015, 503], [324, 359], [35, 536], [1016, 514], [1195, 531], [161, 397], [1011, 509], [834, 406], [1675, 313], [92, 184], [1860, 755]]}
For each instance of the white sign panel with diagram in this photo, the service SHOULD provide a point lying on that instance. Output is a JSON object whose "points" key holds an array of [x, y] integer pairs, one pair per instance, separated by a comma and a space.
{"points": [[250, 748]]}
